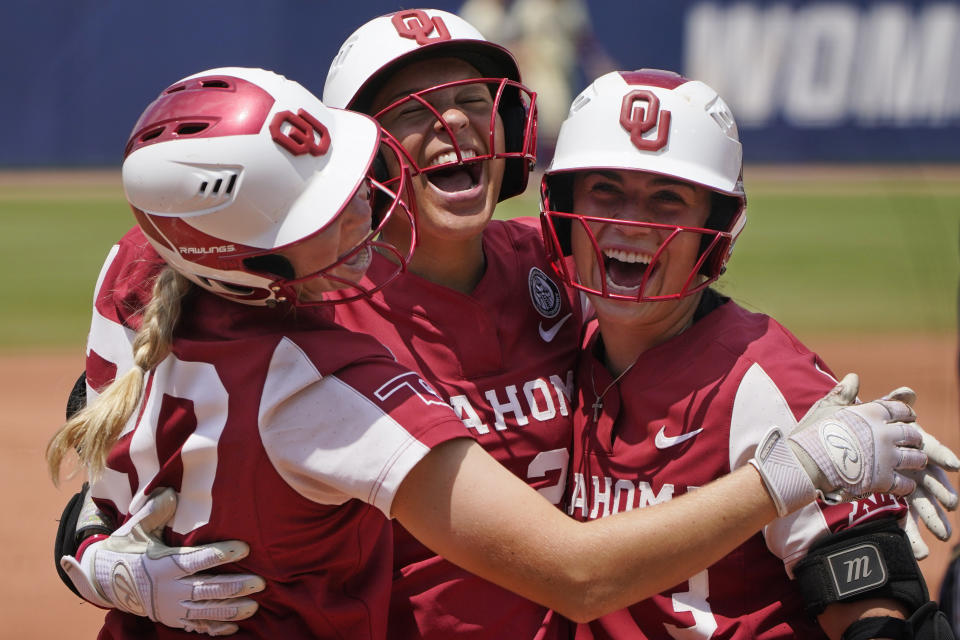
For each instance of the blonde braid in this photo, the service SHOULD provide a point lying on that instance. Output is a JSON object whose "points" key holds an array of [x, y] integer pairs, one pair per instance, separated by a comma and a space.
{"points": [[93, 430]]}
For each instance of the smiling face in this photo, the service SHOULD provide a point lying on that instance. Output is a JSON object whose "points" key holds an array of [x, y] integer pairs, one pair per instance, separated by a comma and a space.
{"points": [[454, 202], [641, 245], [316, 255]]}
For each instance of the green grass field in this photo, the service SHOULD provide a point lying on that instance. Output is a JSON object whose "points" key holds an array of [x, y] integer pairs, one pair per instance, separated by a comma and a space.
{"points": [[55, 238], [822, 253]]}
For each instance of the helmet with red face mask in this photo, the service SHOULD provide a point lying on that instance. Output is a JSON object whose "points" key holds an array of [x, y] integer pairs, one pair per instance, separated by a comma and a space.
{"points": [[378, 49], [661, 123], [229, 166]]}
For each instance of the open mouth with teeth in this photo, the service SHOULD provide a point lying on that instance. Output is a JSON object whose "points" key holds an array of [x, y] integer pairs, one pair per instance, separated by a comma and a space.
{"points": [[625, 269], [452, 177], [360, 260]]}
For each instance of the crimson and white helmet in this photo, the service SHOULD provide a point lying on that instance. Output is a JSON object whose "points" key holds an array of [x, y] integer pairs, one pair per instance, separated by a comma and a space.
{"points": [[230, 165], [375, 51], [658, 122]]}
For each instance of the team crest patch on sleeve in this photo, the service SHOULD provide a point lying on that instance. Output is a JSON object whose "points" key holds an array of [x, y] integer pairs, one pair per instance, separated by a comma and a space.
{"points": [[544, 293]]}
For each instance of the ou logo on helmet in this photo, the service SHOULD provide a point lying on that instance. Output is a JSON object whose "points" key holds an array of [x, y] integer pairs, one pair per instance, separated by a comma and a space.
{"points": [[639, 113], [304, 133], [417, 25]]}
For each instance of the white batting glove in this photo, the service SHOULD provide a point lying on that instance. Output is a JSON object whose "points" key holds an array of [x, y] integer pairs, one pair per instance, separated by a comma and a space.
{"points": [[132, 570], [842, 395], [840, 451], [934, 491], [909, 525]]}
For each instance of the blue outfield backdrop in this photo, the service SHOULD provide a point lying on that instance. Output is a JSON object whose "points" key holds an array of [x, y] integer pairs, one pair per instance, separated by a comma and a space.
{"points": [[838, 81]]}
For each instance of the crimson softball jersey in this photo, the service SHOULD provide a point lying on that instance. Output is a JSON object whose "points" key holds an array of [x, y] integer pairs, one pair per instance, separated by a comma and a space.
{"points": [[278, 428], [504, 358], [689, 411]]}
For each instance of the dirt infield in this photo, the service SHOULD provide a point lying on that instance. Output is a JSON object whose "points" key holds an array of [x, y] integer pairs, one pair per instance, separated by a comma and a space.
{"points": [[36, 605]]}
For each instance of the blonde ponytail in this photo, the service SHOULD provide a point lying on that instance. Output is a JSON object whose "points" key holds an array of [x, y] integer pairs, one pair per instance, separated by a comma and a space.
{"points": [[93, 430]]}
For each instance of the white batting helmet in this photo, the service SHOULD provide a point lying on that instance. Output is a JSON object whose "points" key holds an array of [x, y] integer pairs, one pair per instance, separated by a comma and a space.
{"points": [[375, 51], [230, 165], [658, 122]]}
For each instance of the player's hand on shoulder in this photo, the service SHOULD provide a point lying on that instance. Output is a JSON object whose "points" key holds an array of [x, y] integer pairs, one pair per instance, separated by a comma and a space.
{"points": [[860, 449], [842, 451], [927, 488], [134, 571]]}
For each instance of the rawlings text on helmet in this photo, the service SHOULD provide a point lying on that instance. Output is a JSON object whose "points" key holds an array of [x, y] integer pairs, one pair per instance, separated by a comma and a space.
{"points": [[228, 248]]}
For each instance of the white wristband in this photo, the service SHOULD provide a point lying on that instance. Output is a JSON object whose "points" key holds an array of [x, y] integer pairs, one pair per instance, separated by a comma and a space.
{"points": [[789, 485]]}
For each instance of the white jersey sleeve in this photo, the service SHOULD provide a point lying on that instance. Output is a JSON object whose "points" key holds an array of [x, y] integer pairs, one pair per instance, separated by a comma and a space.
{"points": [[759, 405], [309, 428]]}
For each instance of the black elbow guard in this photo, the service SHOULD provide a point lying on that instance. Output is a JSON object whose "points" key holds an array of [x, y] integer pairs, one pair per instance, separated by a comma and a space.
{"points": [[926, 623], [79, 521], [78, 396], [872, 560], [950, 591], [66, 543]]}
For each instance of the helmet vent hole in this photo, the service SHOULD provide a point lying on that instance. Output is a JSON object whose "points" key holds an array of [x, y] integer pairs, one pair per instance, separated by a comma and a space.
{"points": [[272, 264], [150, 135], [579, 103], [234, 288], [215, 84], [179, 87], [217, 185], [191, 128]]}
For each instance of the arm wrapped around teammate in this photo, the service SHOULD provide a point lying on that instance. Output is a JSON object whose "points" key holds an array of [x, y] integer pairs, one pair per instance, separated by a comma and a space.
{"points": [[853, 451], [163, 583]]}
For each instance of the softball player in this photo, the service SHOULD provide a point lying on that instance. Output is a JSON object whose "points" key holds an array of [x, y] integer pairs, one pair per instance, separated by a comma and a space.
{"points": [[645, 192], [479, 313], [246, 186]]}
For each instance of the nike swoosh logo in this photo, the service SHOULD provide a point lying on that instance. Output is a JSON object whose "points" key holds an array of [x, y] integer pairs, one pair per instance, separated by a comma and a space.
{"points": [[663, 441], [549, 334]]}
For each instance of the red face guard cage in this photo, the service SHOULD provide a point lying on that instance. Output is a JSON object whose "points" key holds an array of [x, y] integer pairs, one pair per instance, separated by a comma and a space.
{"points": [[515, 104], [713, 245], [386, 202]]}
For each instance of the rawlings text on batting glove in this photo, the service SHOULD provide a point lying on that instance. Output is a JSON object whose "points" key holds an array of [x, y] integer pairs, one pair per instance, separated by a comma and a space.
{"points": [[851, 452], [132, 570]]}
